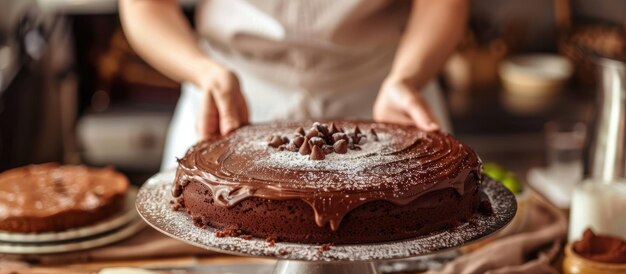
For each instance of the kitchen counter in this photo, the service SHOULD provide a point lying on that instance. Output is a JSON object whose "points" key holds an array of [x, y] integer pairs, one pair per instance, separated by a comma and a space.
{"points": [[89, 6]]}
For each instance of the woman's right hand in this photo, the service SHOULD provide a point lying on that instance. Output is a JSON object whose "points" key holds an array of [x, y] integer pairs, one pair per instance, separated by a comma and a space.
{"points": [[223, 107]]}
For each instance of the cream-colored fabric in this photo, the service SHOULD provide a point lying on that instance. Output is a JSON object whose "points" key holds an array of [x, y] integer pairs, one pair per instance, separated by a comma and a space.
{"points": [[299, 59], [304, 59], [533, 251]]}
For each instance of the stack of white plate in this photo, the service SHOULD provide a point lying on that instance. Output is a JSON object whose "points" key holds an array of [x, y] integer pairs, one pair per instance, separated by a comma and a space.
{"points": [[113, 229]]}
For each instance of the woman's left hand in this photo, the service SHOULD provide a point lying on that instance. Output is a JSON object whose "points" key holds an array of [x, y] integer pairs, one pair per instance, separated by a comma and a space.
{"points": [[399, 103]]}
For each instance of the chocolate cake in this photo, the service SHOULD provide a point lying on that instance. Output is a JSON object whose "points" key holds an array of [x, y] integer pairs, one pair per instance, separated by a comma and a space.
{"points": [[52, 197], [341, 182]]}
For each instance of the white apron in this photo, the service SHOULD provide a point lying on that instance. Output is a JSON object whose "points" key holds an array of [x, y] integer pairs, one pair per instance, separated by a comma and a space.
{"points": [[298, 60]]}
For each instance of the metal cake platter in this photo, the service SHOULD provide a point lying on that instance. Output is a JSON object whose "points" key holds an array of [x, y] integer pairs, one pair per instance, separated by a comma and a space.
{"points": [[153, 205]]}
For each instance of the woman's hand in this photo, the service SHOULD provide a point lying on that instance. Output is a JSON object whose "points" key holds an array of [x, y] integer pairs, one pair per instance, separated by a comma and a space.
{"points": [[400, 103], [178, 56], [426, 43], [223, 107]]}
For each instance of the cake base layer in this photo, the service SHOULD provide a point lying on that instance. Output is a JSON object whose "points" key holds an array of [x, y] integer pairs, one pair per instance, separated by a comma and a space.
{"points": [[293, 220]]}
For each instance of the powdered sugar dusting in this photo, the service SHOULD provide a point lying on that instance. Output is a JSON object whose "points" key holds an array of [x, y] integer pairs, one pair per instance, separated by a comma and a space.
{"points": [[355, 160], [153, 206]]}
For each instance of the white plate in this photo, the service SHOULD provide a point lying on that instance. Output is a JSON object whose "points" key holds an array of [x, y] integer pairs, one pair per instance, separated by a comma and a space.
{"points": [[96, 241], [127, 215]]}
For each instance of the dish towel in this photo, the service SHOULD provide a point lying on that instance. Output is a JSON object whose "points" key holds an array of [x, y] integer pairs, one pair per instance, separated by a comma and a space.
{"points": [[536, 250]]}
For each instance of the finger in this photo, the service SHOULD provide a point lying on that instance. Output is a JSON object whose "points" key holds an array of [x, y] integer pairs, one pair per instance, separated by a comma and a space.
{"points": [[423, 117], [226, 103], [208, 120], [394, 117], [243, 110], [419, 111]]}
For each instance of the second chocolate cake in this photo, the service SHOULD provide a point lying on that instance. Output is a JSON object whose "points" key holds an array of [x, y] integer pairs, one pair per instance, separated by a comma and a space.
{"points": [[341, 182]]}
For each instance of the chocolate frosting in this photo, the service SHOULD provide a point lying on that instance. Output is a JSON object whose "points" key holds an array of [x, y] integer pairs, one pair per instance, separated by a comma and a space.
{"points": [[48, 189], [403, 164]]}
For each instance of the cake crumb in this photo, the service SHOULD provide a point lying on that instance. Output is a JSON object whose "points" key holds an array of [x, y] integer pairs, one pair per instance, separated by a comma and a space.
{"points": [[324, 247], [283, 252], [176, 205], [271, 240], [246, 236], [197, 221], [228, 232]]}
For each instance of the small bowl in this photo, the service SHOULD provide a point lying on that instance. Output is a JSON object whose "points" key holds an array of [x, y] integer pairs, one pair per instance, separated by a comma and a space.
{"points": [[576, 264], [535, 75]]}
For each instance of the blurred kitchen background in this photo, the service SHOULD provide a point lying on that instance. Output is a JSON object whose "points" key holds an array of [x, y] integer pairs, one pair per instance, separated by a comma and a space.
{"points": [[73, 91]]}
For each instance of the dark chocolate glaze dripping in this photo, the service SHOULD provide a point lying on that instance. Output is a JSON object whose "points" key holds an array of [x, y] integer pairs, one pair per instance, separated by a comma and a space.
{"points": [[408, 164]]}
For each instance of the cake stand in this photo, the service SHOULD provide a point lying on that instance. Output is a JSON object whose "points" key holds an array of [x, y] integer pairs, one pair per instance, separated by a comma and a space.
{"points": [[154, 207]]}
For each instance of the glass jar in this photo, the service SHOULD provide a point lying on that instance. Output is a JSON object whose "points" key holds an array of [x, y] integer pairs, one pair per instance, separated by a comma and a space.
{"points": [[600, 206]]}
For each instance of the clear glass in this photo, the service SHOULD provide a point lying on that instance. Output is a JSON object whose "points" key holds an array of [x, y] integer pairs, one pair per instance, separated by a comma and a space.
{"points": [[564, 149], [564, 142]]}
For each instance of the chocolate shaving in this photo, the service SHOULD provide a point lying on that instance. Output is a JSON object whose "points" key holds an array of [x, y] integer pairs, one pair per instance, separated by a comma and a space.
{"points": [[317, 141], [339, 136], [332, 129], [374, 135], [341, 146], [357, 139], [312, 133], [298, 141], [305, 149], [317, 153], [292, 147], [321, 128], [276, 141], [357, 130]]}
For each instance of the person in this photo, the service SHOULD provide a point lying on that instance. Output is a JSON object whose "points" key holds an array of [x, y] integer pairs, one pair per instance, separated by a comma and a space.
{"points": [[257, 61]]}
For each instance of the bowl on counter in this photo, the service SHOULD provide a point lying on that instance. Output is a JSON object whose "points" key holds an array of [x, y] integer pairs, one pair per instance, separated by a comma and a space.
{"points": [[576, 264], [532, 81]]}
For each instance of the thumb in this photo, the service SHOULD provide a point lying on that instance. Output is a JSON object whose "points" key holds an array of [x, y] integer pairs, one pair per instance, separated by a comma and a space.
{"points": [[208, 120]]}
